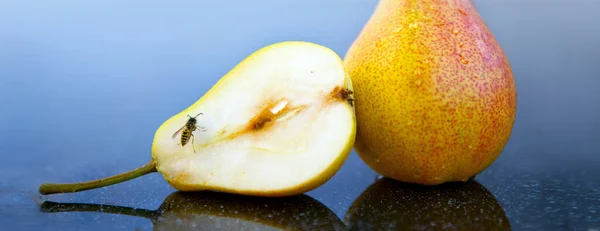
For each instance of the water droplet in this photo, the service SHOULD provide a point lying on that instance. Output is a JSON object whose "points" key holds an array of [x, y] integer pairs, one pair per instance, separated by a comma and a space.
{"points": [[413, 25], [426, 18], [463, 60], [418, 82], [279, 106], [409, 122], [431, 7], [471, 146], [418, 73], [398, 29], [426, 61], [455, 31], [377, 160]]}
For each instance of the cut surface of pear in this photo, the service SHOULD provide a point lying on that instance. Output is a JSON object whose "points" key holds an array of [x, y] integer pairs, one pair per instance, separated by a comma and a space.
{"points": [[278, 123]]}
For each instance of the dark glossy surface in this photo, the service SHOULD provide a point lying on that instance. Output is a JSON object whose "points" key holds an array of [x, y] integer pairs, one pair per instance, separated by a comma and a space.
{"points": [[84, 86], [219, 211]]}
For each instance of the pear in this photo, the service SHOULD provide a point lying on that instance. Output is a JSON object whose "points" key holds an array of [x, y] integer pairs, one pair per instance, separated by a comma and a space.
{"points": [[280, 123], [220, 211], [463, 206], [435, 93]]}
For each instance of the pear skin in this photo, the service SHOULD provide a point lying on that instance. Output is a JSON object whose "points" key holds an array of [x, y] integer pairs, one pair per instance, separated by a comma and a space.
{"points": [[435, 94]]}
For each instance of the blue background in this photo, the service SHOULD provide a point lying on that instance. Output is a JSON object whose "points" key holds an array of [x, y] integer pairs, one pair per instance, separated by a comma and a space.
{"points": [[85, 84]]}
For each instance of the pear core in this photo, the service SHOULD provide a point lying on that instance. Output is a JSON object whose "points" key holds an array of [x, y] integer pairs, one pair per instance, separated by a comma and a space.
{"points": [[280, 123]]}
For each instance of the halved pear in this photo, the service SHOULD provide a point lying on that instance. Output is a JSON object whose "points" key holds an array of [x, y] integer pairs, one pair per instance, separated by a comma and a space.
{"points": [[280, 123]]}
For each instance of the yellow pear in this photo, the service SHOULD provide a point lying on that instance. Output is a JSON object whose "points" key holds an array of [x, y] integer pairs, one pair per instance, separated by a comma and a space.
{"points": [[435, 94], [280, 123], [221, 211]]}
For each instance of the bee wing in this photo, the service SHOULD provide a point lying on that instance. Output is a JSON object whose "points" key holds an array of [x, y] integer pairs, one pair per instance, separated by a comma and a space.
{"points": [[177, 132]]}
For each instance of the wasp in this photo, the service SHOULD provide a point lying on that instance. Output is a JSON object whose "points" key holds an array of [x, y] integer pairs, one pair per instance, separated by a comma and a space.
{"points": [[189, 127], [345, 94]]}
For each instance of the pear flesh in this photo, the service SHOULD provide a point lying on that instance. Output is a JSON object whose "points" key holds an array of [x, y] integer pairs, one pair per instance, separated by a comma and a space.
{"points": [[280, 123]]}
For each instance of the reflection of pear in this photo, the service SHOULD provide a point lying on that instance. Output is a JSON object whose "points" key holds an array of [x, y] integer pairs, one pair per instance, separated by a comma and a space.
{"points": [[220, 211], [388, 204]]}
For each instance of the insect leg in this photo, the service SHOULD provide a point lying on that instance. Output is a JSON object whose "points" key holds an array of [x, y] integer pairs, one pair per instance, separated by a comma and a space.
{"points": [[201, 128], [193, 146]]}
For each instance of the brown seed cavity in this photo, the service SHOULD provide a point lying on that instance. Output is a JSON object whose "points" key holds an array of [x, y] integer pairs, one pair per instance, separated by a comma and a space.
{"points": [[274, 111], [339, 93], [268, 114]]}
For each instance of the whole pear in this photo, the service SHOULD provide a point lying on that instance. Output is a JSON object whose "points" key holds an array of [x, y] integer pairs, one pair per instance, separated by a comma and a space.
{"points": [[435, 94]]}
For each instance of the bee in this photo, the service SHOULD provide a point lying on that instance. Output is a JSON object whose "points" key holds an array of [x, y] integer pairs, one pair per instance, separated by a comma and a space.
{"points": [[189, 127]]}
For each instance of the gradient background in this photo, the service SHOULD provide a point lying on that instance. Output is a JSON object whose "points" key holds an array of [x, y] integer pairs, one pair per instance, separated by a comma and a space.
{"points": [[85, 84]]}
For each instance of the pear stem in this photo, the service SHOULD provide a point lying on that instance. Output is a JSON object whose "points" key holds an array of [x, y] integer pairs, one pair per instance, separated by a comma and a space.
{"points": [[54, 207], [45, 189]]}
